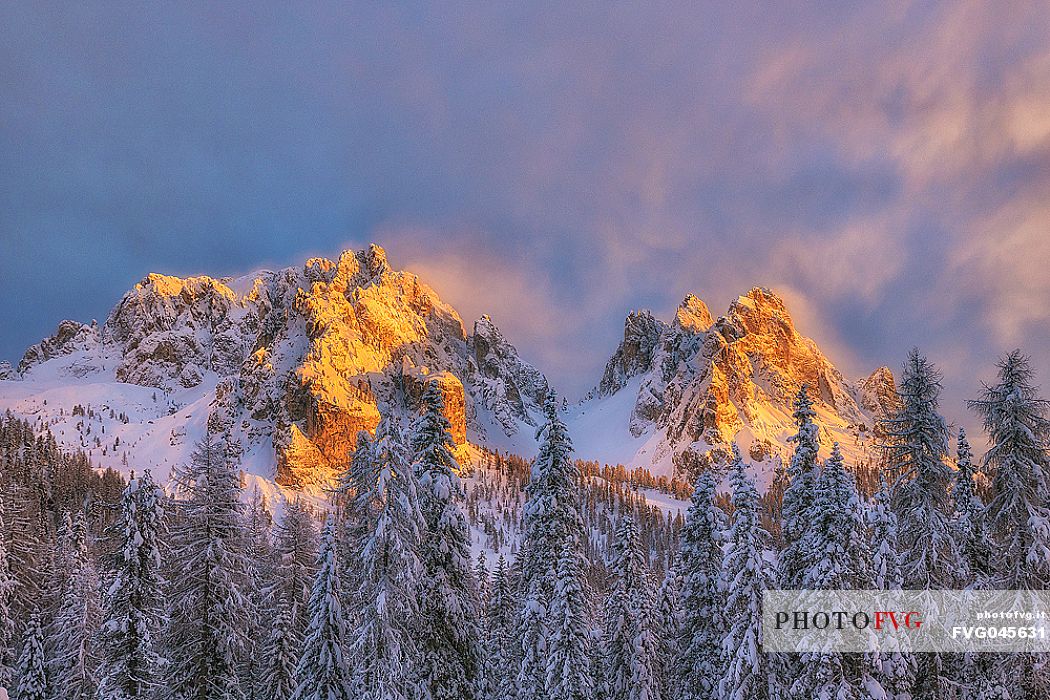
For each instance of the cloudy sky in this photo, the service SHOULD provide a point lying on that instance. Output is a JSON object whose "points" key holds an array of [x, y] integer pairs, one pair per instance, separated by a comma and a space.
{"points": [[885, 166]]}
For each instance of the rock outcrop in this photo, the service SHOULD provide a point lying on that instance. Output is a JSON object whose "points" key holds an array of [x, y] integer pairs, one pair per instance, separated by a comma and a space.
{"points": [[877, 393], [641, 338], [502, 384], [70, 337]]}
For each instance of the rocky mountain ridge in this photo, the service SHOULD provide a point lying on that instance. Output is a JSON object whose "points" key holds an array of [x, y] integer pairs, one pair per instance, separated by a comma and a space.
{"points": [[290, 364], [302, 358], [697, 383]]}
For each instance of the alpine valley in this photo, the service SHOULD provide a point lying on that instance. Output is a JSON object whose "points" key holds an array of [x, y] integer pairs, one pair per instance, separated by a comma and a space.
{"points": [[288, 365]]}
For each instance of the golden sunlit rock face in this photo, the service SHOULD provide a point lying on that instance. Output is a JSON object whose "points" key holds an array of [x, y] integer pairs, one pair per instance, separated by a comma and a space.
{"points": [[369, 331], [704, 382], [693, 315], [302, 359]]}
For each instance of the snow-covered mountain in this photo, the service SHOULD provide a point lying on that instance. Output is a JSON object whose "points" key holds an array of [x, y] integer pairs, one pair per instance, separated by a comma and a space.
{"points": [[290, 364], [678, 393]]}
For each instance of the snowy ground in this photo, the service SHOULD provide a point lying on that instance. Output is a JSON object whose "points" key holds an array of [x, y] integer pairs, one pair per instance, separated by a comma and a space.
{"points": [[88, 413]]}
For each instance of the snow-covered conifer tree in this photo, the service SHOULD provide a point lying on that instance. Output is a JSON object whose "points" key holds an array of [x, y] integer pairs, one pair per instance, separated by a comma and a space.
{"points": [[31, 670], [552, 526], [747, 572], [501, 648], [896, 670], [359, 512], [700, 659], [568, 649], [322, 672], [837, 534], [1018, 511], [295, 567], [667, 630], [384, 643], [838, 539], [969, 520], [629, 645], [74, 656], [532, 630], [257, 577], [800, 494], [132, 604], [205, 635], [882, 524], [483, 579], [916, 451], [450, 635], [279, 659], [8, 628]]}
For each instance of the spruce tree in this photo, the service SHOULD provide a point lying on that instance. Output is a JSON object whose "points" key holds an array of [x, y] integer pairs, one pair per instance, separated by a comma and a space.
{"points": [[748, 673], [553, 528], [31, 671], [483, 580], [74, 657], [449, 605], [896, 670], [532, 629], [667, 630], [8, 628], [917, 445], [132, 604], [384, 643], [569, 663], [258, 575], [883, 543], [629, 644], [501, 649], [842, 561], [1018, 511], [916, 451], [800, 494], [322, 672], [207, 612], [700, 660], [837, 534], [969, 521], [358, 511], [295, 567], [280, 658]]}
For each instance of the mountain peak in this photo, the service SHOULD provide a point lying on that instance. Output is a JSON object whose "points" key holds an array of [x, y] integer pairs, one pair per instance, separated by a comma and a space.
{"points": [[761, 302], [375, 260], [877, 392], [641, 338], [511, 390], [693, 315], [290, 364], [704, 385], [170, 286]]}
